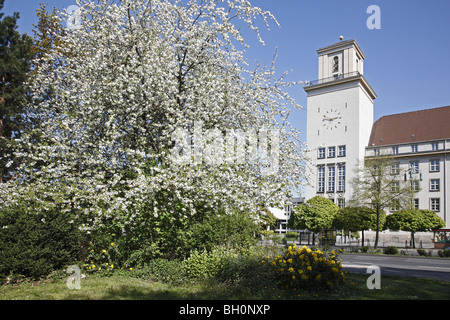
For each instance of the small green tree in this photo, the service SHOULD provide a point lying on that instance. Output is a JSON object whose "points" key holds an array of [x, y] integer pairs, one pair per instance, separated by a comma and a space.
{"points": [[379, 184], [354, 219], [316, 214], [414, 221]]}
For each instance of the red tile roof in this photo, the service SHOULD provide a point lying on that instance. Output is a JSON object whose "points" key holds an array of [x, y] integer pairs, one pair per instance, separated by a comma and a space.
{"points": [[423, 125]]}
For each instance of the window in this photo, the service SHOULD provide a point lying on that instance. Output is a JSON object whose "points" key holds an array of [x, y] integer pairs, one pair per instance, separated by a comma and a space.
{"points": [[415, 186], [321, 179], [395, 186], [288, 210], [435, 146], [434, 184], [335, 64], [416, 203], [376, 152], [331, 152], [331, 178], [434, 166], [435, 204], [395, 205], [414, 166], [321, 154], [341, 151], [414, 148], [341, 202], [394, 150], [341, 178], [395, 169]]}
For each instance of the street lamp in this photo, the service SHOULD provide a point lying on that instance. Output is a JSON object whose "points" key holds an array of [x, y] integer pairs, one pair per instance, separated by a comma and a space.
{"points": [[411, 174]]}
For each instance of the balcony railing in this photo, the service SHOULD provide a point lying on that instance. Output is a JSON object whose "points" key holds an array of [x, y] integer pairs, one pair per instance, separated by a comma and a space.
{"points": [[333, 78]]}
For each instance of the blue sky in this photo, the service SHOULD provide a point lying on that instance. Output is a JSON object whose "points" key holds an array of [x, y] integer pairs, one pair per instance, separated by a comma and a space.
{"points": [[407, 60]]}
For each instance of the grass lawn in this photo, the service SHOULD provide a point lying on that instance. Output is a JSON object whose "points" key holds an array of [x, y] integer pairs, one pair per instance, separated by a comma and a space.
{"points": [[129, 288]]}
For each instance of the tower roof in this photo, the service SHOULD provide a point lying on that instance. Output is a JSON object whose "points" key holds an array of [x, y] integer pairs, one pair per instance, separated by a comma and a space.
{"points": [[340, 44], [410, 127]]}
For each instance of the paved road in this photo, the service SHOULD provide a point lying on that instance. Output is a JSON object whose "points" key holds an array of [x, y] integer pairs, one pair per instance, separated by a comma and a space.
{"points": [[399, 266]]}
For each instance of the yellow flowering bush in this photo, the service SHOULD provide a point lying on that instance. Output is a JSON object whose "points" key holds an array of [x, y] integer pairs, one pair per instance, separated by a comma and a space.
{"points": [[103, 260], [303, 268]]}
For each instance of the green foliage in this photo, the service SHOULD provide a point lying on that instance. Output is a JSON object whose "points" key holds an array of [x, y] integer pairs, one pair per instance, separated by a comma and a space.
{"points": [[247, 272], [305, 269], [34, 243], [364, 249], [291, 236], [315, 215], [414, 220], [234, 231], [207, 264], [161, 270], [104, 260], [423, 252], [390, 250], [15, 62], [171, 234], [444, 253], [355, 219]]}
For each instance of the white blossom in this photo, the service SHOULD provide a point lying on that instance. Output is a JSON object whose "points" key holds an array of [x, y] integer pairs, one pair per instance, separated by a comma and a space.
{"points": [[138, 71]]}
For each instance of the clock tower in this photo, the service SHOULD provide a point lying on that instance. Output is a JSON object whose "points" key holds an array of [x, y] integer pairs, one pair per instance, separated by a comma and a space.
{"points": [[339, 121]]}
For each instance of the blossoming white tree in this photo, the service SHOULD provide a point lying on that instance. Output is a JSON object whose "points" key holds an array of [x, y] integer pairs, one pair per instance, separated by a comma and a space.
{"points": [[138, 70]]}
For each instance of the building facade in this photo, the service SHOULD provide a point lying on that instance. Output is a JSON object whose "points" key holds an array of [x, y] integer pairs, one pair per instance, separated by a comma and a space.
{"points": [[418, 143], [341, 133], [339, 121]]}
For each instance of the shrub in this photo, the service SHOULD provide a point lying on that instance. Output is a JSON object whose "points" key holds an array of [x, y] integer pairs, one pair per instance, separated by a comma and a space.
{"points": [[236, 231], [364, 249], [444, 253], [170, 236], [291, 236], [34, 243], [103, 259], [207, 264], [306, 269], [162, 270], [422, 252], [390, 250], [247, 274]]}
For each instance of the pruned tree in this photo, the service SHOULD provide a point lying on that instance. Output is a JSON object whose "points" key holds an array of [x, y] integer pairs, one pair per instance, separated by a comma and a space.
{"points": [[316, 214], [379, 184], [414, 221], [355, 219]]}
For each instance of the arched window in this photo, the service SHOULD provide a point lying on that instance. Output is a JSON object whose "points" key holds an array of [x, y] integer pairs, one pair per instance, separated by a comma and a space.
{"points": [[335, 64]]}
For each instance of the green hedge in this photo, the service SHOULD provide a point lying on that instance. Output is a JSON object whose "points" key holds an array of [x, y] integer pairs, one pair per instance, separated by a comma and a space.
{"points": [[33, 244]]}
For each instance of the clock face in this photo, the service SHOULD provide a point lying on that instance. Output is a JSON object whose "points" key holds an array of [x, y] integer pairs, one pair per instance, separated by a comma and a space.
{"points": [[331, 119]]}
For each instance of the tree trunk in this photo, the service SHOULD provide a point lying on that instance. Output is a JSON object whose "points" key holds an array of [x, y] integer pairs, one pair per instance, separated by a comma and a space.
{"points": [[378, 227], [363, 238]]}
